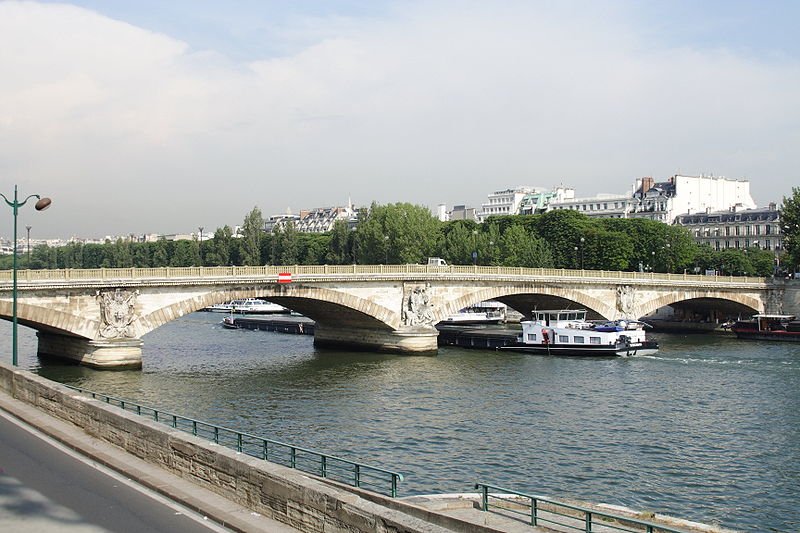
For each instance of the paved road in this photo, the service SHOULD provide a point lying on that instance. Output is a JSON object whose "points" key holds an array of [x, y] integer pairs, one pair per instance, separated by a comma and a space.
{"points": [[46, 488]]}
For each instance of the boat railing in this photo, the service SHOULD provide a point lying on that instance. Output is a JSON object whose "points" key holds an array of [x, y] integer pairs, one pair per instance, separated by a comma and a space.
{"points": [[352, 473], [561, 516]]}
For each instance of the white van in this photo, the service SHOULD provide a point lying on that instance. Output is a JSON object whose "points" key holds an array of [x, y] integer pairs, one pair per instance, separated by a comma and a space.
{"points": [[437, 261]]}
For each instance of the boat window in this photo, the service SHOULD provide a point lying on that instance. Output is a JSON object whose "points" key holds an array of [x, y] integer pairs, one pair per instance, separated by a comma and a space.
{"points": [[594, 340], [581, 315], [531, 336], [563, 338], [578, 339], [572, 316], [554, 316]]}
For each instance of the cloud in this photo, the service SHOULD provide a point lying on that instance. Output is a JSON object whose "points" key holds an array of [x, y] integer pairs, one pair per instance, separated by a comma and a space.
{"points": [[134, 131]]}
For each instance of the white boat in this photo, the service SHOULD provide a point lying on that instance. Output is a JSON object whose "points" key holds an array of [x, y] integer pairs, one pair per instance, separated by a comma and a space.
{"points": [[229, 322], [251, 306], [567, 332], [488, 312]]}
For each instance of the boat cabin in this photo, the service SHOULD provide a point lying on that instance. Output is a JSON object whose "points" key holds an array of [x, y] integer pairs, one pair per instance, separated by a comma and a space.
{"points": [[559, 318]]}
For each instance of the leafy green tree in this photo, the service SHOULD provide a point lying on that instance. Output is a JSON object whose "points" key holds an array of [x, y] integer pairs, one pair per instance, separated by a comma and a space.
{"points": [[252, 234], [161, 256], [315, 248], [790, 222], [457, 242], [184, 254], [519, 247], [340, 244], [607, 250], [219, 247], [286, 244], [731, 262], [143, 255], [763, 262], [489, 245], [562, 229], [397, 233]]}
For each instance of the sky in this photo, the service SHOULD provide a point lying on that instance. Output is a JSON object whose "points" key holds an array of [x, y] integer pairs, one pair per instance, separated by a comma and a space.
{"points": [[161, 117]]}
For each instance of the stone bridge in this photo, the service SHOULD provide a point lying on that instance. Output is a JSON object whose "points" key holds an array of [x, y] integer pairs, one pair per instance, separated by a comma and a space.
{"points": [[98, 316]]}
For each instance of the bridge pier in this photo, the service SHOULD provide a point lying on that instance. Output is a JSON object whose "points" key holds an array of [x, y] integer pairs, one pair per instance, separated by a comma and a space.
{"points": [[418, 340], [117, 354]]}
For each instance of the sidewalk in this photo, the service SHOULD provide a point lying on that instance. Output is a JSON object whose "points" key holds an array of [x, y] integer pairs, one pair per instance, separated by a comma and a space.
{"points": [[216, 508]]}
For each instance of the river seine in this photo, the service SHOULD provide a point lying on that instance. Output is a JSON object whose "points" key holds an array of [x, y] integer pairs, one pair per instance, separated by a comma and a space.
{"points": [[708, 429]]}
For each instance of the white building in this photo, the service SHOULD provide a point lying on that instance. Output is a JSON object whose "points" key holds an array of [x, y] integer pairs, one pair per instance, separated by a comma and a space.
{"points": [[600, 206], [322, 219], [512, 201], [736, 228], [665, 201]]}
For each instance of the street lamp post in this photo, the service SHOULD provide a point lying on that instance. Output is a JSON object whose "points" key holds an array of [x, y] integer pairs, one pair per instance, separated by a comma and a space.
{"points": [[41, 205], [200, 245], [582, 242], [386, 249], [474, 247], [29, 246]]}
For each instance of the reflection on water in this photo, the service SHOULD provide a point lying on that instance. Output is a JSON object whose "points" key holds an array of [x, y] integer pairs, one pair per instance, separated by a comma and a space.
{"points": [[707, 429]]}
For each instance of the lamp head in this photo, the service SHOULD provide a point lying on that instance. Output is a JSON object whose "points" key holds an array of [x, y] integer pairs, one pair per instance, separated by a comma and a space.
{"points": [[43, 204]]}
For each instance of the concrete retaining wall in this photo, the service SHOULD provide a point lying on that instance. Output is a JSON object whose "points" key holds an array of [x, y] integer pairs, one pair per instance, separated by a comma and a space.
{"points": [[300, 500]]}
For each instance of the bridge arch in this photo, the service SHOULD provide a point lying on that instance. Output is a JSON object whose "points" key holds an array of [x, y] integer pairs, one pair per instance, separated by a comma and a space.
{"points": [[666, 299], [519, 297], [50, 320], [323, 305]]}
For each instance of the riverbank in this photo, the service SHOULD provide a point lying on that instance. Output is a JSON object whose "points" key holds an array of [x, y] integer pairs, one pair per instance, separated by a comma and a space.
{"points": [[209, 479]]}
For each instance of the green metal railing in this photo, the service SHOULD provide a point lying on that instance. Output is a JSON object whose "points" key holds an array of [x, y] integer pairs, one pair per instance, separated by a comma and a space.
{"points": [[328, 466], [314, 271], [552, 514]]}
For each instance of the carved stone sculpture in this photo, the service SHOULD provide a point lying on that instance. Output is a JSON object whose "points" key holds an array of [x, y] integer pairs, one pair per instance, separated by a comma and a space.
{"points": [[417, 309], [117, 313], [626, 301]]}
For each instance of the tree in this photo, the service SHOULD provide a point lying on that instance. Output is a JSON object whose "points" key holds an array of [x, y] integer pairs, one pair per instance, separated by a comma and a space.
{"points": [[562, 229], [161, 253], [397, 233], [457, 242], [340, 242], [790, 222], [252, 233], [184, 254], [519, 248], [285, 244], [219, 251]]}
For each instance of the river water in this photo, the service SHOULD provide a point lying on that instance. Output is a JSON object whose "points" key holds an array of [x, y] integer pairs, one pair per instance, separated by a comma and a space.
{"points": [[708, 429]]}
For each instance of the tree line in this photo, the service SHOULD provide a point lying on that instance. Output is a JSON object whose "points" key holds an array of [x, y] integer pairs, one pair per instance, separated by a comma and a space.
{"points": [[404, 233]]}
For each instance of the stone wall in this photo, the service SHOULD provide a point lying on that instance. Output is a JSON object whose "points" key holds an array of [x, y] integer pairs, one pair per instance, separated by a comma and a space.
{"points": [[300, 500], [791, 298]]}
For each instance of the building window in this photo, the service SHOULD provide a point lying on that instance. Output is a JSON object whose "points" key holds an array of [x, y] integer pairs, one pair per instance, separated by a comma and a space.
{"points": [[768, 244], [736, 230]]}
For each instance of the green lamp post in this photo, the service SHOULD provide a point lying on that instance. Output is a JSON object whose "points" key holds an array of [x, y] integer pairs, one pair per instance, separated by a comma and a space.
{"points": [[41, 204]]}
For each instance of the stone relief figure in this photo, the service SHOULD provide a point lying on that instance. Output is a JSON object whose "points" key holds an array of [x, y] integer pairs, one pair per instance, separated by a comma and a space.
{"points": [[117, 313], [626, 301], [418, 309]]}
